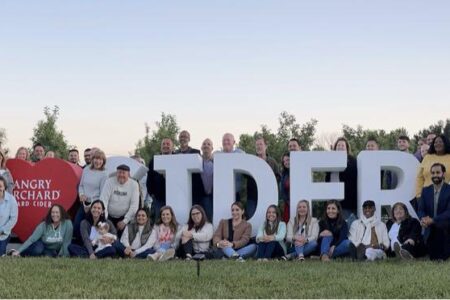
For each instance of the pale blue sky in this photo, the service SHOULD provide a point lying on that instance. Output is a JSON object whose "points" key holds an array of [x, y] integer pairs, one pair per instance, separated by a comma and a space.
{"points": [[220, 66]]}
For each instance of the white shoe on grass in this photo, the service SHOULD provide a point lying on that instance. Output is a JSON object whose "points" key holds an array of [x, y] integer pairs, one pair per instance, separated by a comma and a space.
{"points": [[168, 254]]}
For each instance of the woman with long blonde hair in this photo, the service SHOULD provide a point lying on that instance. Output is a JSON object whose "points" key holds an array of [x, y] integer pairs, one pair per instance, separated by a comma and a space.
{"points": [[302, 232]]}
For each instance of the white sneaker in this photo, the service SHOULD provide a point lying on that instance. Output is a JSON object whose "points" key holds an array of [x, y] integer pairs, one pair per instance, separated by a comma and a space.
{"points": [[168, 254], [155, 256], [241, 259]]}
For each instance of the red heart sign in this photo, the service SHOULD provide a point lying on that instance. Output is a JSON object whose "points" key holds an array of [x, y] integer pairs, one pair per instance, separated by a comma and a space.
{"points": [[38, 186]]}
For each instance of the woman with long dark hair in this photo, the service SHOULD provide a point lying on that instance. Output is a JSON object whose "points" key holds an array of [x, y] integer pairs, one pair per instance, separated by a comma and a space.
{"points": [[196, 235], [138, 238], [350, 179], [232, 236], [168, 234], [333, 231], [89, 233], [271, 234], [51, 237]]}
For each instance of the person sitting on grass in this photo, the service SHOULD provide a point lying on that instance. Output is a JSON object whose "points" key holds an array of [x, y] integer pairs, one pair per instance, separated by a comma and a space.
{"points": [[333, 232], [232, 236], [368, 235], [196, 235], [138, 238], [302, 232], [168, 235], [103, 238], [89, 233], [51, 237], [8, 214], [271, 234], [405, 234]]}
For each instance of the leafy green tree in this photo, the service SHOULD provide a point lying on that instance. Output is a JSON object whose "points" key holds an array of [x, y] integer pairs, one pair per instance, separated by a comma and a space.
{"points": [[277, 142], [47, 134], [357, 137], [151, 143], [440, 127]]}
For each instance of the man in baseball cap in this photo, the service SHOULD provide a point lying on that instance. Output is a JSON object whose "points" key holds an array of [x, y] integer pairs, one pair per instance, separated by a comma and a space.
{"points": [[368, 235]]}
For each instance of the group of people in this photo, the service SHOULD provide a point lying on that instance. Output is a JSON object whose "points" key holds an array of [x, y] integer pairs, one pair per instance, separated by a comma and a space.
{"points": [[112, 219]]}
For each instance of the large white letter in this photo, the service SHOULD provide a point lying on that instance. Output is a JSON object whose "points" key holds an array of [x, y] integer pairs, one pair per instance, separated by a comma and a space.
{"points": [[370, 164], [226, 165], [302, 167], [178, 170]]}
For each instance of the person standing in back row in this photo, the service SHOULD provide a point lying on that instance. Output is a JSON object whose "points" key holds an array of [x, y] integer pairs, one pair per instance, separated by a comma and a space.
{"points": [[197, 189], [156, 182]]}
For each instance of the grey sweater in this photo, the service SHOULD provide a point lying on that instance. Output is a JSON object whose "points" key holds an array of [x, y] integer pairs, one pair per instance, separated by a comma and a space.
{"points": [[92, 182], [121, 200]]}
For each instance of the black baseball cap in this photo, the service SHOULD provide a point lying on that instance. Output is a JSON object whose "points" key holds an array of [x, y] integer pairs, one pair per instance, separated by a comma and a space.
{"points": [[369, 203], [123, 168]]}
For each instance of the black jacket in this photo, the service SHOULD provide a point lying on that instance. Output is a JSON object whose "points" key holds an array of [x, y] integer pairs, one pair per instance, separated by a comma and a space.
{"points": [[409, 229], [156, 183], [350, 179]]}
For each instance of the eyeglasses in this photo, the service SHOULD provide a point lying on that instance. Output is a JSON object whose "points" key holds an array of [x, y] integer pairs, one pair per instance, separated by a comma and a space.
{"points": [[195, 213]]}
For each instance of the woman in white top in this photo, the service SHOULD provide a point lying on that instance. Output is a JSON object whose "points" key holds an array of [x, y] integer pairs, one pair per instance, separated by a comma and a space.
{"points": [[167, 233], [196, 235], [405, 234], [138, 238], [302, 232]]}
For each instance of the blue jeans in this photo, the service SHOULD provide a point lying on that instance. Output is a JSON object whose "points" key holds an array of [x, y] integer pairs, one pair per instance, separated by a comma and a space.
{"points": [[342, 249], [269, 250], [3, 245], [163, 247], [120, 249], [81, 251], [306, 249], [244, 252], [38, 249], [207, 204]]}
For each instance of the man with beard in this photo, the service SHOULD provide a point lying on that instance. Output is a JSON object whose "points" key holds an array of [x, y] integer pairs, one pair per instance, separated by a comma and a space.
{"points": [[87, 157], [434, 214]]}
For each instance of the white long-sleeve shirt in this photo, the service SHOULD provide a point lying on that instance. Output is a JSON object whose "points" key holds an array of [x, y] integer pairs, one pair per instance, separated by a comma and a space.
{"points": [[120, 199], [201, 238]]}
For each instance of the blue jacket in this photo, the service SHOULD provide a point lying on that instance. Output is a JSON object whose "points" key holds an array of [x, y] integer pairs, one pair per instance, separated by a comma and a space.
{"points": [[426, 205]]}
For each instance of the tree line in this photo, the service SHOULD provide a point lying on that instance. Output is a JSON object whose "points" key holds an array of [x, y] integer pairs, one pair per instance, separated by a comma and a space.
{"points": [[47, 133]]}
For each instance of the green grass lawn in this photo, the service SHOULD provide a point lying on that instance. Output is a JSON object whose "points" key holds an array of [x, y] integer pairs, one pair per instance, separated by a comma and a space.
{"points": [[69, 278]]}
